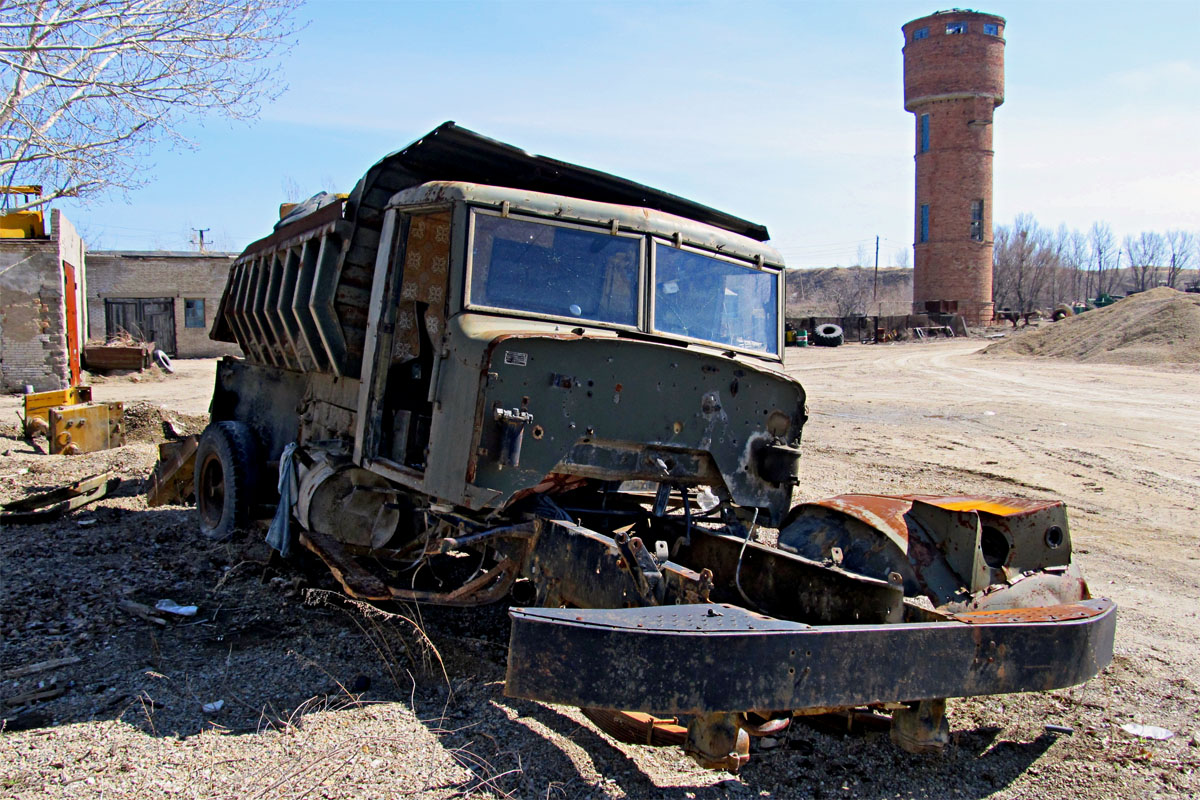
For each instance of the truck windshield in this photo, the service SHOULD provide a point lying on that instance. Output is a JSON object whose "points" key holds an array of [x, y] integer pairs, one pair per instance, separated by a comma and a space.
{"points": [[561, 271], [707, 298]]}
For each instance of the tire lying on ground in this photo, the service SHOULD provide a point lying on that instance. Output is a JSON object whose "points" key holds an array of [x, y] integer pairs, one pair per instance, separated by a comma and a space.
{"points": [[828, 335], [163, 361], [225, 477]]}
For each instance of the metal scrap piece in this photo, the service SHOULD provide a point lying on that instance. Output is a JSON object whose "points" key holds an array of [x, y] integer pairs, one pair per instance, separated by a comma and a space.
{"points": [[55, 503]]}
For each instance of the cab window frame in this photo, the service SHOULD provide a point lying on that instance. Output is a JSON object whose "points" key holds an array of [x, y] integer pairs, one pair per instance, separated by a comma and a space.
{"points": [[476, 211], [775, 271]]}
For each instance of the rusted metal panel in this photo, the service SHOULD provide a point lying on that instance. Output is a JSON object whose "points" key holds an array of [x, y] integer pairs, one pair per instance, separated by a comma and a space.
{"points": [[944, 547], [86, 428], [105, 357], [701, 659], [789, 586], [881, 512], [172, 479]]}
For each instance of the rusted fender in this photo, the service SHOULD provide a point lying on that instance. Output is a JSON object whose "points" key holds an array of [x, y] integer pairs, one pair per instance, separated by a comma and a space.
{"points": [[947, 548], [703, 659]]}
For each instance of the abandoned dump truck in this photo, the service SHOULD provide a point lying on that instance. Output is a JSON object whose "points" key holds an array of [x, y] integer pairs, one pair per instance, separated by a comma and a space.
{"points": [[486, 375]]}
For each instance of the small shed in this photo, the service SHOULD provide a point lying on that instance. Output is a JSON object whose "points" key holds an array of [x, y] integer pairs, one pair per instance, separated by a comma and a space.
{"points": [[165, 296]]}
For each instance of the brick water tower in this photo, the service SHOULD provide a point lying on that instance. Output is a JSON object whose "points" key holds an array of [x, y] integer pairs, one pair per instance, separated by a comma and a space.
{"points": [[953, 80]]}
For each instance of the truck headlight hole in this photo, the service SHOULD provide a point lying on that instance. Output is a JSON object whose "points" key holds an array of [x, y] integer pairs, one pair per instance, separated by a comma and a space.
{"points": [[1054, 537], [995, 547], [538, 431]]}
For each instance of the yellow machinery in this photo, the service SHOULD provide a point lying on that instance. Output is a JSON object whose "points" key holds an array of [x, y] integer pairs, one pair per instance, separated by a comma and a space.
{"points": [[38, 405], [22, 224], [86, 428]]}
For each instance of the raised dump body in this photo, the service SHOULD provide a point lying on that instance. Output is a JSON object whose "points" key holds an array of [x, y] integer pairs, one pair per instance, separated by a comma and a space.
{"points": [[488, 375]]}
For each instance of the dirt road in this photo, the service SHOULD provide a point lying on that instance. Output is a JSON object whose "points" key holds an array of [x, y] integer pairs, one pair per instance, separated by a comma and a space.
{"points": [[326, 701]]}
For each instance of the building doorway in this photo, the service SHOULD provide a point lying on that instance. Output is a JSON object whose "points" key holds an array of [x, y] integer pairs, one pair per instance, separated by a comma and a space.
{"points": [[150, 319]]}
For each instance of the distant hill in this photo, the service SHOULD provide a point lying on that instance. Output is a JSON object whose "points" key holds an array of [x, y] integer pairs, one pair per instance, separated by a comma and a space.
{"points": [[842, 291]]}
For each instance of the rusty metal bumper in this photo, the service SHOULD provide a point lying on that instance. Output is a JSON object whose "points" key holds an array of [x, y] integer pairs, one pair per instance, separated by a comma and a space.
{"points": [[700, 659]]}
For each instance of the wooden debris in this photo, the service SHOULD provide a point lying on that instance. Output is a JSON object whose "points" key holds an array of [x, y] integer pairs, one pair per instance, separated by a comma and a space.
{"points": [[48, 693], [40, 666]]}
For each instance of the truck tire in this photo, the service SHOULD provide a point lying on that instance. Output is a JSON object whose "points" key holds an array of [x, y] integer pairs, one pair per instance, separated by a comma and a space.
{"points": [[225, 477], [828, 335]]}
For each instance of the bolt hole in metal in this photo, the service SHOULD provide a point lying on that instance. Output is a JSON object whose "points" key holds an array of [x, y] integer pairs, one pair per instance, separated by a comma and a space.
{"points": [[538, 431], [995, 547], [1054, 537]]}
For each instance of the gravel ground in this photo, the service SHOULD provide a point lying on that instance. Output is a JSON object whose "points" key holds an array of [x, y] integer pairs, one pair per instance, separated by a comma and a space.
{"points": [[322, 698]]}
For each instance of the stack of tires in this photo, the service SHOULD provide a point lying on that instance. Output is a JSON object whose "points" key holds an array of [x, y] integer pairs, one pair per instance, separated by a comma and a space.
{"points": [[828, 335]]}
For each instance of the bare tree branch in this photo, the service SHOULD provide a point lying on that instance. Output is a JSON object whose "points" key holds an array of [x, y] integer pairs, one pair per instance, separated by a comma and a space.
{"points": [[1182, 245], [87, 86], [1145, 254], [1025, 261]]}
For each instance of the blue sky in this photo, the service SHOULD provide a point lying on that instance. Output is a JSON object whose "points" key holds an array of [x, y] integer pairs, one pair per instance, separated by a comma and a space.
{"points": [[789, 114]]}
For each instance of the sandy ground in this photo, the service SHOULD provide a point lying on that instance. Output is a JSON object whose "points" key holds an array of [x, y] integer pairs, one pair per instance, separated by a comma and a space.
{"points": [[325, 701]]}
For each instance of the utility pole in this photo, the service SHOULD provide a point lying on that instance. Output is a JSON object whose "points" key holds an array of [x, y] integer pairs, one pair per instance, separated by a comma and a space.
{"points": [[875, 297], [200, 243]]}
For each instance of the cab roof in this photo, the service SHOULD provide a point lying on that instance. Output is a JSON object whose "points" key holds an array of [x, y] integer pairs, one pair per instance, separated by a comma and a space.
{"points": [[452, 153]]}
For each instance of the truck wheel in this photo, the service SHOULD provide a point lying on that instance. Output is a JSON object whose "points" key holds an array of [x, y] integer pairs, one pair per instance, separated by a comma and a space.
{"points": [[225, 476], [828, 335]]}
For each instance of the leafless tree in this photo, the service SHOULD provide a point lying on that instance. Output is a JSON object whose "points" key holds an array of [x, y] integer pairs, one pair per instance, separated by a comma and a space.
{"points": [[1145, 253], [87, 86], [862, 255], [1025, 262], [1075, 259], [1105, 255], [902, 258], [852, 294], [1183, 245]]}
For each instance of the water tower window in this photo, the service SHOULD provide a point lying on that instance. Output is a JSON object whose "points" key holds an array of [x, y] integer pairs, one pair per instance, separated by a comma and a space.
{"points": [[924, 133], [924, 223], [920, 33], [956, 27], [991, 29], [977, 220]]}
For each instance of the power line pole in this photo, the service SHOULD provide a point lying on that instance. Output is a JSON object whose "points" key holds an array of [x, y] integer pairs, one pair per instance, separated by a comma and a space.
{"points": [[200, 243], [875, 297]]}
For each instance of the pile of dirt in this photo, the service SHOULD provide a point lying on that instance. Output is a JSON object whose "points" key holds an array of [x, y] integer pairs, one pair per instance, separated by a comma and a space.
{"points": [[150, 422], [1161, 326]]}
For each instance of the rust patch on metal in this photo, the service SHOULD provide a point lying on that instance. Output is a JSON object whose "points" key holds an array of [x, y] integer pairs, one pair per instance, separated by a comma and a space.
{"points": [[881, 512], [1062, 613]]}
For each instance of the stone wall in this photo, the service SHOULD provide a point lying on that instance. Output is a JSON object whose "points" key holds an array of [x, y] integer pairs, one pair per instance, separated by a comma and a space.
{"points": [[33, 340], [181, 276]]}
